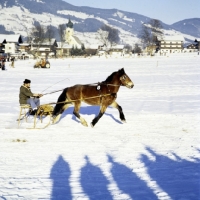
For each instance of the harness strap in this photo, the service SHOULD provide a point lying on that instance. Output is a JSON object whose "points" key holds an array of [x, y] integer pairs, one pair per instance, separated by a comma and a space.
{"points": [[99, 83], [71, 101]]}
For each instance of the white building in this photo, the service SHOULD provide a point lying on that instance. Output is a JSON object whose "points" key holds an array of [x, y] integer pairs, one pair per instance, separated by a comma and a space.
{"points": [[117, 50], [170, 44], [70, 38], [12, 43]]}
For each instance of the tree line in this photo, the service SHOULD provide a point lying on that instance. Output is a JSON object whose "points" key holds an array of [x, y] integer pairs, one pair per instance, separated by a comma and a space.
{"points": [[107, 35]]}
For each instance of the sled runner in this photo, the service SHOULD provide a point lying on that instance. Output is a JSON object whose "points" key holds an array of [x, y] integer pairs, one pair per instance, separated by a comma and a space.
{"points": [[43, 111]]}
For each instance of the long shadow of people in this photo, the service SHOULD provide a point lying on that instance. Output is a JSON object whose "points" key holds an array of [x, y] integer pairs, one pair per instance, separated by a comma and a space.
{"points": [[60, 174], [179, 178], [128, 182], [94, 183]]}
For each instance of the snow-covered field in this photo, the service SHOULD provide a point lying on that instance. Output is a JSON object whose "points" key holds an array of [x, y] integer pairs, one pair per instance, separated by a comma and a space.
{"points": [[155, 155]]}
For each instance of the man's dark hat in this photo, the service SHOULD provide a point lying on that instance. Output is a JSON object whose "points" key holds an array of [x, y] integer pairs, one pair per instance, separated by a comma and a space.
{"points": [[27, 81]]}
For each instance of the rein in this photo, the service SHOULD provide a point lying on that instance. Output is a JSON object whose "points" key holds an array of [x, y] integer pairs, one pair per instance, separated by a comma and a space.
{"points": [[67, 102], [53, 92]]}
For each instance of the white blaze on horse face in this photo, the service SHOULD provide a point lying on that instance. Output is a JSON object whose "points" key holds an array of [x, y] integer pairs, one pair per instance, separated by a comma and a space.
{"points": [[130, 84], [126, 81]]}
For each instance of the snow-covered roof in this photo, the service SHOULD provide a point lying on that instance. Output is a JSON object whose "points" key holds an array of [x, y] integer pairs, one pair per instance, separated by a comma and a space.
{"points": [[119, 46], [64, 45], [24, 44], [171, 38], [12, 38], [47, 42], [77, 40], [92, 46], [2, 40]]}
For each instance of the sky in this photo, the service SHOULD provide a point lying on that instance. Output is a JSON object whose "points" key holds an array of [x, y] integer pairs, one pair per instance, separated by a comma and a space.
{"points": [[168, 11]]}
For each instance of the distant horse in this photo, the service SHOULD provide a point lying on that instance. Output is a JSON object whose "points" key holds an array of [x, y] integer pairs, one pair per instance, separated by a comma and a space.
{"points": [[103, 94]]}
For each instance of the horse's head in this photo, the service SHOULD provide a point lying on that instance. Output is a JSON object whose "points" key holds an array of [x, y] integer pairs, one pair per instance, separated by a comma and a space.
{"points": [[125, 80]]}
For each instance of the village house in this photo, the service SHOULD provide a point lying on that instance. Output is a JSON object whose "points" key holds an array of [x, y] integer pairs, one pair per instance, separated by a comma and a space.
{"points": [[2, 44], [63, 49], [197, 43], [46, 48], [24, 47], [91, 49], [170, 44], [117, 50], [10, 43], [191, 48]]}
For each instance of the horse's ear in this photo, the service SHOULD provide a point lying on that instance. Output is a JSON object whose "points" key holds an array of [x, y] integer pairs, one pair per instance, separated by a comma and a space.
{"points": [[121, 71]]}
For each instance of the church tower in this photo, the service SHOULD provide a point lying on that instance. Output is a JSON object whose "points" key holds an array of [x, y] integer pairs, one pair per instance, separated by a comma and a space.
{"points": [[69, 32]]}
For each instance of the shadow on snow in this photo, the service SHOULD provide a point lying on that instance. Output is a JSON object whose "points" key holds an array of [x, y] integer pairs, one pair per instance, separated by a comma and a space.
{"points": [[94, 183], [177, 177], [89, 110], [60, 174]]}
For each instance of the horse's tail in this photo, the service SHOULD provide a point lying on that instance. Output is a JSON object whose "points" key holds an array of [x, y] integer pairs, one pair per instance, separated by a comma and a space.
{"points": [[60, 102]]}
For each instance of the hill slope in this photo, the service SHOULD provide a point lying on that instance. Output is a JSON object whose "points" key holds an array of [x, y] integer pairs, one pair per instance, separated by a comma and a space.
{"points": [[20, 16]]}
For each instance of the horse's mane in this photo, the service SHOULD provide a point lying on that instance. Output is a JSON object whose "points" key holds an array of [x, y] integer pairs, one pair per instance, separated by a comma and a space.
{"points": [[110, 78]]}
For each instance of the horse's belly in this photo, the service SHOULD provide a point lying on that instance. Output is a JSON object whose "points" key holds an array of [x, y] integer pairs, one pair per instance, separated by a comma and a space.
{"points": [[92, 101]]}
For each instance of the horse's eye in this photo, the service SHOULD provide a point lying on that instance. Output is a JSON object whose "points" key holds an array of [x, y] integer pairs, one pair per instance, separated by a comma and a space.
{"points": [[124, 77]]}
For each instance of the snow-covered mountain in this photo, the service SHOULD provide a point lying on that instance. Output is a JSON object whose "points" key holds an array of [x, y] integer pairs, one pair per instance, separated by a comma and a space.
{"points": [[19, 16], [188, 26]]}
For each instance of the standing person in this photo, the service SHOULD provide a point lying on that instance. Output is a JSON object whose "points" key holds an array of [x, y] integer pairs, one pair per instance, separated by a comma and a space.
{"points": [[3, 64], [12, 61], [27, 97]]}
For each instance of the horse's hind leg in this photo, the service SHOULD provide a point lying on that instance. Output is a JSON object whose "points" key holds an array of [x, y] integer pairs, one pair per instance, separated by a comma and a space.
{"points": [[58, 115], [119, 108], [76, 113]]}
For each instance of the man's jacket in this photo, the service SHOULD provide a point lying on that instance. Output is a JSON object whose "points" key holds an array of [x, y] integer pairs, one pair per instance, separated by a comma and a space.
{"points": [[24, 94]]}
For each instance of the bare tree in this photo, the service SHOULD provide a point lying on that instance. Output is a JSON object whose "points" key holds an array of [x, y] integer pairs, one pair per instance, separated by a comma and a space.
{"points": [[50, 33], [137, 49], [149, 33], [38, 35], [61, 33], [28, 37], [109, 35], [103, 37], [156, 29], [128, 48]]}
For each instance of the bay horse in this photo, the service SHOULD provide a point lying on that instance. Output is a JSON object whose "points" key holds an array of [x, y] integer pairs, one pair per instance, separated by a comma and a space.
{"points": [[103, 94]]}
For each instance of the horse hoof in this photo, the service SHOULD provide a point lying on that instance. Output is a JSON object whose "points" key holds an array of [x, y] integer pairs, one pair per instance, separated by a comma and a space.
{"points": [[55, 119], [85, 124], [123, 121], [91, 125]]}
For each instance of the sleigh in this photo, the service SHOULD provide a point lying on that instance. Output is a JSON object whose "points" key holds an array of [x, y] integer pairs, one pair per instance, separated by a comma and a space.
{"points": [[42, 112]]}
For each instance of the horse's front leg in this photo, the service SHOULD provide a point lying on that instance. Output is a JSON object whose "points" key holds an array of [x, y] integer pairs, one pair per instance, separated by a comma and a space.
{"points": [[76, 113], [96, 119], [119, 108]]}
